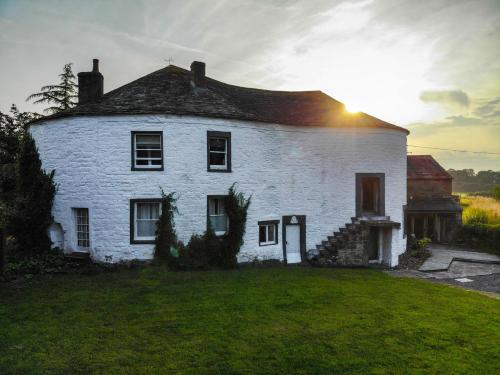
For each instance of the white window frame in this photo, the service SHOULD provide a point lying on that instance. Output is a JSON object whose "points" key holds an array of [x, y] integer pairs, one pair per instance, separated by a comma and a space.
{"points": [[144, 238], [269, 224], [220, 200], [223, 136], [218, 166], [135, 158], [77, 214]]}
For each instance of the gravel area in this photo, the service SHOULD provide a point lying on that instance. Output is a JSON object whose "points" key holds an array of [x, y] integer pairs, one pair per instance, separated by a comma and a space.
{"points": [[484, 283]]}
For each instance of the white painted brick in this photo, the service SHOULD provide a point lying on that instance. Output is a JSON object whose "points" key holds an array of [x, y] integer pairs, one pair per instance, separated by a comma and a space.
{"points": [[287, 170]]}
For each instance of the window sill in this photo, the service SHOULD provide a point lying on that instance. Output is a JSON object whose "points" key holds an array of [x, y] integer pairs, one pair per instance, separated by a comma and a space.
{"points": [[142, 242], [219, 170], [267, 243], [147, 169]]}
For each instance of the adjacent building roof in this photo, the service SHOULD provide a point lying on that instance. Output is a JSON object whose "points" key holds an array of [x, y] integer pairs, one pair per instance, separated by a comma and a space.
{"points": [[425, 167], [170, 91], [434, 204]]}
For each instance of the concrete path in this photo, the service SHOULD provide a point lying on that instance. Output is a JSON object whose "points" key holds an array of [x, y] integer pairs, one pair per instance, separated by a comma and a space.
{"points": [[443, 256]]}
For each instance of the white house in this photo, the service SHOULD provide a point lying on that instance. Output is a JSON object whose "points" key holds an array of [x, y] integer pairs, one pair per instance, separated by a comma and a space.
{"points": [[309, 166]]}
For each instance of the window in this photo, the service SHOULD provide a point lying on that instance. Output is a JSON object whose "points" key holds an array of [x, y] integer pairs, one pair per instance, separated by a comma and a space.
{"points": [[268, 232], [370, 194], [147, 151], [217, 217], [144, 217], [218, 151], [82, 227]]}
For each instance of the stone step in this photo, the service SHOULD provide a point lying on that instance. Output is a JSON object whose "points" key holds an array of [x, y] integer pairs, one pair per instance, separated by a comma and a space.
{"points": [[78, 256]]}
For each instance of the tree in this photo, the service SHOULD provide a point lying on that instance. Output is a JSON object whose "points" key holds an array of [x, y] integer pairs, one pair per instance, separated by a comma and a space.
{"points": [[12, 129], [30, 215], [60, 97]]}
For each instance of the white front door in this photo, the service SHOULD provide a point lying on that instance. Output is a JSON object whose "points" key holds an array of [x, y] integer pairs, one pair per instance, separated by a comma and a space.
{"points": [[293, 244]]}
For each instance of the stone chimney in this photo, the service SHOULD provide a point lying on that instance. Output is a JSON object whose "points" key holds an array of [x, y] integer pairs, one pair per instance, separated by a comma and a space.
{"points": [[198, 74], [90, 85]]}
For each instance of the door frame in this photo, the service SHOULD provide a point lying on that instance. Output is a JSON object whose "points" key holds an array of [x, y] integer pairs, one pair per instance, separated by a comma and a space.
{"points": [[301, 220]]}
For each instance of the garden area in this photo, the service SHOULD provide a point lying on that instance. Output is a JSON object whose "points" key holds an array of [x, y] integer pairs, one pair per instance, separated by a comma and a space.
{"points": [[276, 321], [481, 221]]}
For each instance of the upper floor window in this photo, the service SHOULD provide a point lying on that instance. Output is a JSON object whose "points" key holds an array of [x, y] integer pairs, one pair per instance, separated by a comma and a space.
{"points": [[217, 216], [144, 216], [218, 151], [147, 151]]}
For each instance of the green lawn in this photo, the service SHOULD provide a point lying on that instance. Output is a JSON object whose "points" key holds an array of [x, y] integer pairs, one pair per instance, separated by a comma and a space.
{"points": [[269, 321]]}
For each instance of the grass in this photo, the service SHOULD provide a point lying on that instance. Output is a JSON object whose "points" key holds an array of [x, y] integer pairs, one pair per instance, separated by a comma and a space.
{"points": [[253, 321], [480, 210]]}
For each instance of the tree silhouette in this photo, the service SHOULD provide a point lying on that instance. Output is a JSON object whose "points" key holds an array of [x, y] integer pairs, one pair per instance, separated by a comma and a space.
{"points": [[60, 97]]}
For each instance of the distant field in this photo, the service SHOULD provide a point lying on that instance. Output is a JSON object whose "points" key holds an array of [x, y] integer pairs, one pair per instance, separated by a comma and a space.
{"points": [[480, 210]]}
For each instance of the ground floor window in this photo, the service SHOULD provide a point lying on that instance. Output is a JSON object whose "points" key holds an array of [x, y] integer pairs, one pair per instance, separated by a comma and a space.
{"points": [[268, 232], [217, 217], [82, 227], [144, 217]]}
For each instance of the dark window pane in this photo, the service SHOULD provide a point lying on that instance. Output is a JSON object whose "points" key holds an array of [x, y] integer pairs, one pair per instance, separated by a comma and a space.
{"points": [[262, 233], [217, 144], [217, 159], [142, 162], [148, 154]]}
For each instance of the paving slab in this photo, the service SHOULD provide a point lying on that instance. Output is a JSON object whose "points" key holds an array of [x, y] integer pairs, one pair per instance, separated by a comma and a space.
{"points": [[442, 257]]}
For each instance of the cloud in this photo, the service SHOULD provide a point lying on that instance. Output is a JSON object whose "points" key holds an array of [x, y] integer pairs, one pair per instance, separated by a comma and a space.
{"points": [[446, 97], [488, 108], [463, 120]]}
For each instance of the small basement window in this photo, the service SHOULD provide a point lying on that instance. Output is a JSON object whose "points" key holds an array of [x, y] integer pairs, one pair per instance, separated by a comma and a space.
{"points": [[219, 151], [147, 151], [268, 232], [217, 216], [145, 214], [82, 227]]}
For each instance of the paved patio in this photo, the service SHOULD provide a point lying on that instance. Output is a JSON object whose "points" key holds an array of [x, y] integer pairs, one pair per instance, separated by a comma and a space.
{"points": [[443, 256], [464, 268]]}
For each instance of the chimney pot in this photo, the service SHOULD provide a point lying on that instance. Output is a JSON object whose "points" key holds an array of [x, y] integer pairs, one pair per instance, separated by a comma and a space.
{"points": [[198, 73], [90, 84]]}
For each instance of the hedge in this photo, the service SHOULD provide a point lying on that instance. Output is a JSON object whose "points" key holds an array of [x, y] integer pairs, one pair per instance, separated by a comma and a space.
{"points": [[484, 236]]}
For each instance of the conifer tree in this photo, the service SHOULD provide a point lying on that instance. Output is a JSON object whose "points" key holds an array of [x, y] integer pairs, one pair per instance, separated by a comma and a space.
{"points": [[31, 213], [59, 97]]}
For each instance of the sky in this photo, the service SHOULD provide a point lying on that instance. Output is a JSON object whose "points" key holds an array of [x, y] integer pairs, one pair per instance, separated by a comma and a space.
{"points": [[432, 67]]}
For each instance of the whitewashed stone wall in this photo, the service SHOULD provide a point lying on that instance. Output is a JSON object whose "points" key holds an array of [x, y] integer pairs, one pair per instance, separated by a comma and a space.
{"points": [[288, 170]]}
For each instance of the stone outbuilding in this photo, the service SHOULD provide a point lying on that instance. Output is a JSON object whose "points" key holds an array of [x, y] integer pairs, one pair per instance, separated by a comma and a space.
{"points": [[432, 210]]}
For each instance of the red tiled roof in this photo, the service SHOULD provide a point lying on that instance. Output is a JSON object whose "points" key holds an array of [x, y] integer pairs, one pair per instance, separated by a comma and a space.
{"points": [[422, 167]]}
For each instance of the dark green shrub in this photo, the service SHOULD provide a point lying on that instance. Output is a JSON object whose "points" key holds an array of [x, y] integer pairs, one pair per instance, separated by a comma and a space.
{"points": [[236, 206], [30, 215], [202, 251], [484, 236], [166, 242]]}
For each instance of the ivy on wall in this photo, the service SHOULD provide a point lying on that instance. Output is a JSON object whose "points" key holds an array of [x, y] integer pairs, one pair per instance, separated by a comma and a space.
{"points": [[202, 251]]}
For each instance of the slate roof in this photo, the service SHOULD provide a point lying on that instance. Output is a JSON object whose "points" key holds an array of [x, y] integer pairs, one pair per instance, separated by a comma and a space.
{"points": [[169, 91], [425, 167], [435, 204]]}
